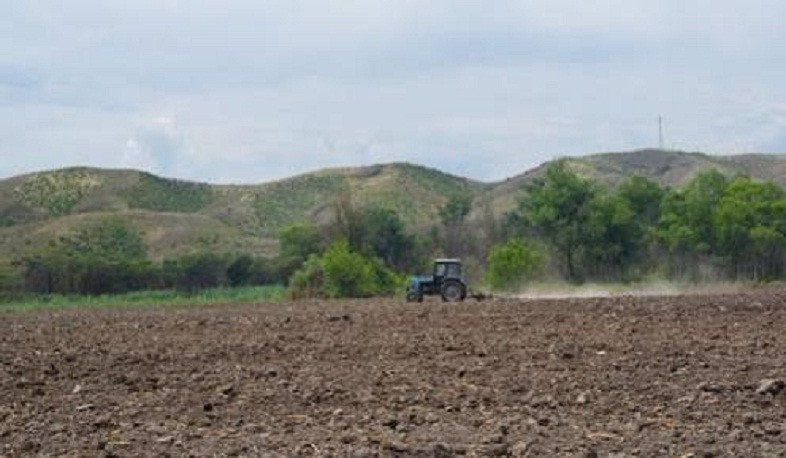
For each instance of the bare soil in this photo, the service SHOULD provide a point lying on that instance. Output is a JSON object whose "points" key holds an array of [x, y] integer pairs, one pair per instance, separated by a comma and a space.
{"points": [[641, 376]]}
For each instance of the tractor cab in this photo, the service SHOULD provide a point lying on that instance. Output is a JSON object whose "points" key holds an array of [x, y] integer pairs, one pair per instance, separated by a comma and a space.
{"points": [[447, 269], [447, 281]]}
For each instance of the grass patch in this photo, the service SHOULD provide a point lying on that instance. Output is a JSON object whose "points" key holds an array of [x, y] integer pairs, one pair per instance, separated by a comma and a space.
{"points": [[162, 194], [160, 298], [436, 181], [288, 201]]}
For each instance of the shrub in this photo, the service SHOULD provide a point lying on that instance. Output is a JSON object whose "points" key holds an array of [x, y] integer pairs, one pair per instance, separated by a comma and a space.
{"points": [[342, 272], [309, 280], [200, 271], [299, 241], [347, 273], [240, 271], [510, 264]]}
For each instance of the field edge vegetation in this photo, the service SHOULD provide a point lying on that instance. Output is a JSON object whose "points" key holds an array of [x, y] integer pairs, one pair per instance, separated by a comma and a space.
{"points": [[564, 227]]}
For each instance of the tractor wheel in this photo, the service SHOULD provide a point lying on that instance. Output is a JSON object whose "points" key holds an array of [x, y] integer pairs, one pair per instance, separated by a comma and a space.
{"points": [[453, 292], [413, 296]]}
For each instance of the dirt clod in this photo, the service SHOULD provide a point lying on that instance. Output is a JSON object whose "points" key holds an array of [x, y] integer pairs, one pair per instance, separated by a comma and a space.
{"points": [[770, 386]]}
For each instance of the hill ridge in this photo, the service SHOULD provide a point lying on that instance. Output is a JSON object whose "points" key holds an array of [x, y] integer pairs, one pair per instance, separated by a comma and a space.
{"points": [[35, 207]]}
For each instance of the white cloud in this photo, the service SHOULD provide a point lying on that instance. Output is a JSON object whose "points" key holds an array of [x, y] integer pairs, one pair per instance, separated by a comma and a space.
{"points": [[136, 156], [260, 90]]}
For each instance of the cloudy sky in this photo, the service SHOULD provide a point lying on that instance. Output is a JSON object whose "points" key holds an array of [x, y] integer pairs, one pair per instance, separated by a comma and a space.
{"points": [[249, 90]]}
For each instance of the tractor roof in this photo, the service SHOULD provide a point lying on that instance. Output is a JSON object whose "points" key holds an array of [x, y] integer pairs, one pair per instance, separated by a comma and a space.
{"points": [[448, 260]]}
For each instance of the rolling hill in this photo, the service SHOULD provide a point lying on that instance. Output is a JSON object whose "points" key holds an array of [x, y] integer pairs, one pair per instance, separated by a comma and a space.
{"points": [[179, 216]]}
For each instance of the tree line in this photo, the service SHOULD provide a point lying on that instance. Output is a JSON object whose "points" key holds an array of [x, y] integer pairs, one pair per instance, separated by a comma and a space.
{"points": [[714, 228], [110, 257], [565, 227]]}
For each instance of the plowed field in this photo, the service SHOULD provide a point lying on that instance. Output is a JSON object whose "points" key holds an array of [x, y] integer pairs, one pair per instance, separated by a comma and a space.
{"points": [[652, 376]]}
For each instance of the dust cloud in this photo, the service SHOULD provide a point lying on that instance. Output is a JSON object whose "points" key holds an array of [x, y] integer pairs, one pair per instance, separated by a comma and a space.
{"points": [[595, 290]]}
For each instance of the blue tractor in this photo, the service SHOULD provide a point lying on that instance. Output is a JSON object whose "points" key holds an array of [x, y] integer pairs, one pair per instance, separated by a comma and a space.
{"points": [[447, 281]]}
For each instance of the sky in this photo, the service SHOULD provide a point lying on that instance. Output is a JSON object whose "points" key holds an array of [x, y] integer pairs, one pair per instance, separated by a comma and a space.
{"points": [[248, 91]]}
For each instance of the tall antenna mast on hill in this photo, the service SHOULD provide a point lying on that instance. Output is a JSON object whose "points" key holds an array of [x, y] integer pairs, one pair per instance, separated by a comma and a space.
{"points": [[660, 132]]}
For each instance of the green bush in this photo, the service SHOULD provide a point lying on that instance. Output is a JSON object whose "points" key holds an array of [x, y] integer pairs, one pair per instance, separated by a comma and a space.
{"points": [[347, 273], [309, 280], [511, 264], [240, 271], [386, 280], [342, 272], [200, 271], [299, 241], [110, 238]]}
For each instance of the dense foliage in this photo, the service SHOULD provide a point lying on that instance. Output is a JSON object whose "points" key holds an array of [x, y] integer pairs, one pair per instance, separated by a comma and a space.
{"points": [[713, 228], [558, 210]]}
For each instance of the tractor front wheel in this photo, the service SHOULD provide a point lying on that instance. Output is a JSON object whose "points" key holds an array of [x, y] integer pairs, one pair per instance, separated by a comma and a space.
{"points": [[452, 292], [413, 296]]}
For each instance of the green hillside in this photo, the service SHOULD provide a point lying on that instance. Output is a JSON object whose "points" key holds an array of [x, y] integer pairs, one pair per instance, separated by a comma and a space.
{"points": [[179, 216]]}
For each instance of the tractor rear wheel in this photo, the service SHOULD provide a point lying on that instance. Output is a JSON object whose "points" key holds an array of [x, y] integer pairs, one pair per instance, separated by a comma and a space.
{"points": [[453, 292]]}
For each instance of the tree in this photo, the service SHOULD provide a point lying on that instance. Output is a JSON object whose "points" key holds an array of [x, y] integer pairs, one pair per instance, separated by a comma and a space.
{"points": [[384, 235], [453, 215], [201, 270], [611, 236], [296, 243], [748, 221], [769, 253], [702, 196], [687, 223], [299, 241], [513, 263], [347, 224], [674, 230], [455, 209], [374, 231], [644, 198], [107, 256], [690, 212], [111, 238], [557, 208], [240, 271]]}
